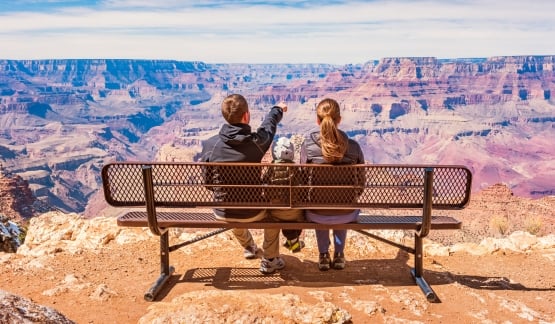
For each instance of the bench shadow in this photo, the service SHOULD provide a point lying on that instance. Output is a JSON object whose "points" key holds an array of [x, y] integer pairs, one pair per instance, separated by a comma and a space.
{"points": [[493, 283], [301, 273], [305, 273]]}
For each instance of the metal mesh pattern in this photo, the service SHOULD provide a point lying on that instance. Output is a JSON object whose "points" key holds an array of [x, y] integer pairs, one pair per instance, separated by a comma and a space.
{"points": [[206, 219], [247, 185]]}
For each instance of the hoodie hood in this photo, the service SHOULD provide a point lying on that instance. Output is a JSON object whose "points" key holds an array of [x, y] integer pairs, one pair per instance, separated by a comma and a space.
{"points": [[235, 134]]}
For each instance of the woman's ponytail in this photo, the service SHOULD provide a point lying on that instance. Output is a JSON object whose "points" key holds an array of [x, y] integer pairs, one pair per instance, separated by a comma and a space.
{"points": [[334, 144]]}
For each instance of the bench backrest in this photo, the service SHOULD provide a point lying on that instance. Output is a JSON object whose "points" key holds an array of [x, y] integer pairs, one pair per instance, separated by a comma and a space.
{"points": [[247, 185]]}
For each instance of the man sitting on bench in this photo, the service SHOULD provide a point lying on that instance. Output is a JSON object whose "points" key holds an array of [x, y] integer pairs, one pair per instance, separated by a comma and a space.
{"points": [[237, 143]]}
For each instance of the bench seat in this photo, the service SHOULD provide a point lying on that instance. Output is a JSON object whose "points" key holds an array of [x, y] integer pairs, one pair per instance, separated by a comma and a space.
{"points": [[206, 219]]}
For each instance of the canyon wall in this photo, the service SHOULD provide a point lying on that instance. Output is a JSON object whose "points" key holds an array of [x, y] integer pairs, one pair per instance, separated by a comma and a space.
{"points": [[62, 120]]}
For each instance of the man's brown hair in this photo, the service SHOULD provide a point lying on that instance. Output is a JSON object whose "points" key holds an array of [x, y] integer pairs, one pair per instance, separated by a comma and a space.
{"points": [[234, 107]]}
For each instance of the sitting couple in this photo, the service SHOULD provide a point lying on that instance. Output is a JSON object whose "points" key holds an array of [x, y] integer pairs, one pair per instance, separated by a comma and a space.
{"points": [[236, 142]]}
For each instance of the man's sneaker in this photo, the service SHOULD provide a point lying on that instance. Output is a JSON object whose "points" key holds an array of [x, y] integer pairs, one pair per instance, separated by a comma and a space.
{"points": [[294, 245], [338, 261], [325, 262], [268, 266], [251, 252]]}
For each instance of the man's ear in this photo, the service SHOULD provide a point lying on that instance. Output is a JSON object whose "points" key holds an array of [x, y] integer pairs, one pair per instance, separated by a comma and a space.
{"points": [[246, 117]]}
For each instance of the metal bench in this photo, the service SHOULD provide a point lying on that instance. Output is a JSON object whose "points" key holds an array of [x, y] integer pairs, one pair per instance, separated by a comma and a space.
{"points": [[190, 190]]}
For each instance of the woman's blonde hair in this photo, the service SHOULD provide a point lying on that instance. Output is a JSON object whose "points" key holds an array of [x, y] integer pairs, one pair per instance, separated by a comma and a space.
{"points": [[234, 107], [334, 144]]}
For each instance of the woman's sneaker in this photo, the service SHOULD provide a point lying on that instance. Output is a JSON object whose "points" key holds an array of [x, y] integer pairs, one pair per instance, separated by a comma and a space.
{"points": [[338, 261], [268, 266], [251, 252], [324, 262]]}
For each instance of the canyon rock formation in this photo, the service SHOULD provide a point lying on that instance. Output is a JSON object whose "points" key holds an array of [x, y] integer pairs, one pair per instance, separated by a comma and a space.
{"points": [[62, 120]]}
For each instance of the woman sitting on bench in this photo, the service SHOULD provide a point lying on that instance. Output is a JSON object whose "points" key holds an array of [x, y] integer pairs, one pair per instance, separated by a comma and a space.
{"points": [[330, 145]]}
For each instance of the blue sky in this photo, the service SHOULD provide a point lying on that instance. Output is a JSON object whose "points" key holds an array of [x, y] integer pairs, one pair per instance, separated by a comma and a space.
{"points": [[220, 31]]}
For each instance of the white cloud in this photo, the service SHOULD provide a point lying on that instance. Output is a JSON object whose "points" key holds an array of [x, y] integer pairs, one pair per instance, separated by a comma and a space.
{"points": [[351, 32]]}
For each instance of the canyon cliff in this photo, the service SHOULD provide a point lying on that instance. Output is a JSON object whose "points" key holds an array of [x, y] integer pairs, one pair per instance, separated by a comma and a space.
{"points": [[62, 120]]}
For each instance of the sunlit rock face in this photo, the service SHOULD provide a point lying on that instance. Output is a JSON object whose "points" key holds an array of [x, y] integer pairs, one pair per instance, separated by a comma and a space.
{"points": [[17, 199], [62, 120]]}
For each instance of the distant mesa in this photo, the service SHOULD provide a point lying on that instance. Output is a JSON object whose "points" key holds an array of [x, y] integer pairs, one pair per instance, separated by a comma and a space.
{"points": [[61, 120]]}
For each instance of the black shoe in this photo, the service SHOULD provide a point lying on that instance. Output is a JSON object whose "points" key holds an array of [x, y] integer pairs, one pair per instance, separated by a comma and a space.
{"points": [[294, 245], [338, 261], [324, 263]]}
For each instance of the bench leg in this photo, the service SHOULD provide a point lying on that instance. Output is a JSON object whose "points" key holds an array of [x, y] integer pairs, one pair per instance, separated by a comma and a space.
{"points": [[418, 269], [165, 269]]}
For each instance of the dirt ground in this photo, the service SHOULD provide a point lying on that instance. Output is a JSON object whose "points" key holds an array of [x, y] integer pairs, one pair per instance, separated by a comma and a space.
{"points": [[107, 285]]}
